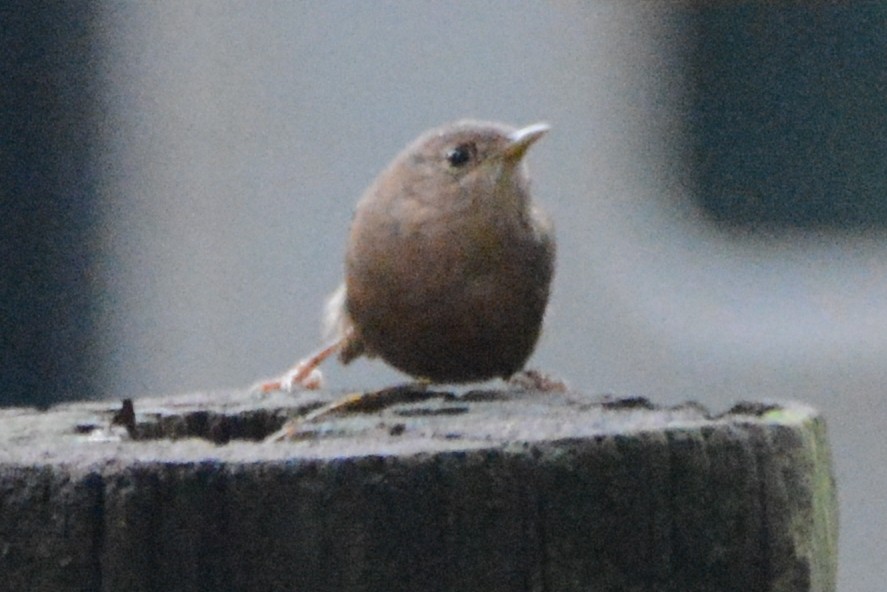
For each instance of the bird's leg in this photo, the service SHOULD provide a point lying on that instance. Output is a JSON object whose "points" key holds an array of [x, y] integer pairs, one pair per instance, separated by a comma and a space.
{"points": [[305, 374]]}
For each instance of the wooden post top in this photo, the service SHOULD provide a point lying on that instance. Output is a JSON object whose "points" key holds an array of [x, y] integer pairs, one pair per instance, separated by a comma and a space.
{"points": [[487, 490]]}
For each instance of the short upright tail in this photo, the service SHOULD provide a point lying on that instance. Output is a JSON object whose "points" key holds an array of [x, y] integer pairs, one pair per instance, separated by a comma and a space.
{"points": [[337, 325]]}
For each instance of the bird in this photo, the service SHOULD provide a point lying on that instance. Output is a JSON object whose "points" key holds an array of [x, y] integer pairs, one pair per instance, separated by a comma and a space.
{"points": [[448, 264]]}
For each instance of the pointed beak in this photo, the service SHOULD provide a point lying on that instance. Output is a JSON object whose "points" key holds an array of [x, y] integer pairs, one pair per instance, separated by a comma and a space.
{"points": [[520, 140]]}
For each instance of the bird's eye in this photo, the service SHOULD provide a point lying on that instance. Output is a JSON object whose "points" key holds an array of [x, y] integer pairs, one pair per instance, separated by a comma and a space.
{"points": [[460, 155]]}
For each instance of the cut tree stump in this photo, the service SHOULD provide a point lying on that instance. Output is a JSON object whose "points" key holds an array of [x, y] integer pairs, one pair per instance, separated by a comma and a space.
{"points": [[489, 490]]}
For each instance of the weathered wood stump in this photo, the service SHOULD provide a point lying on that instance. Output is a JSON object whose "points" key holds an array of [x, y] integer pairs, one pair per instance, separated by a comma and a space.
{"points": [[487, 491]]}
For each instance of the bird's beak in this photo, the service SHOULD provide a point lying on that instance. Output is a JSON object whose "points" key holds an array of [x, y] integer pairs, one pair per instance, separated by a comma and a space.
{"points": [[520, 140]]}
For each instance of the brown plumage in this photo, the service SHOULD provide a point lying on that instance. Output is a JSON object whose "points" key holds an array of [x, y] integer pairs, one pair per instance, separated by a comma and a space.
{"points": [[449, 262]]}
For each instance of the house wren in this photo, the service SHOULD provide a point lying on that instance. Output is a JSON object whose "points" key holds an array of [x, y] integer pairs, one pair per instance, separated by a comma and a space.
{"points": [[448, 263]]}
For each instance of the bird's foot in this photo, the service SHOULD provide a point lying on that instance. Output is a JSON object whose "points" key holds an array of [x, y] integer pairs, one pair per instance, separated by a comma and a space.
{"points": [[300, 377], [304, 375], [534, 380]]}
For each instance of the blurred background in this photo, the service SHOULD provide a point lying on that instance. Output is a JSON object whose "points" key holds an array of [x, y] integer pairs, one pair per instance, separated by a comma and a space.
{"points": [[178, 180]]}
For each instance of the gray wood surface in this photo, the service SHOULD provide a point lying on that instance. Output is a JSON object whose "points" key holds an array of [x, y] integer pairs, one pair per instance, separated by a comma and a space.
{"points": [[488, 491]]}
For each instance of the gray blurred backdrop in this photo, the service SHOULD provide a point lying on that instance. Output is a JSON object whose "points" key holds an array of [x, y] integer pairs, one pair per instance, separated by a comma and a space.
{"points": [[182, 175]]}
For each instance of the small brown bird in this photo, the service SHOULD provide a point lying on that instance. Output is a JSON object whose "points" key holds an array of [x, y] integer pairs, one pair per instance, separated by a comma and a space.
{"points": [[448, 263]]}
